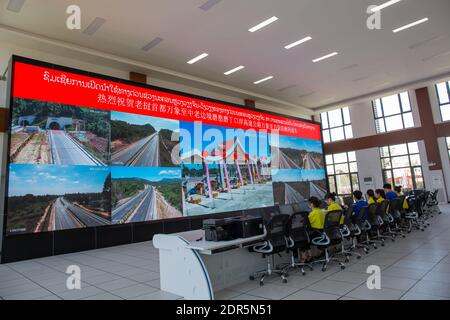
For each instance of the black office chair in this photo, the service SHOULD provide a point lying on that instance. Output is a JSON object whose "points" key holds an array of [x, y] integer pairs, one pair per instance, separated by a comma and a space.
{"points": [[363, 240], [375, 222], [330, 236], [297, 239], [383, 213], [350, 232], [395, 208], [273, 243]]}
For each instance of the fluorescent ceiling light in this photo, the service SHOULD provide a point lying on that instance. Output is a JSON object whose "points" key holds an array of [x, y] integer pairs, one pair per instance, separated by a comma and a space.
{"points": [[209, 4], [263, 24], [94, 26], [384, 5], [234, 70], [15, 5], [200, 57], [410, 25], [325, 57], [152, 43], [262, 80], [296, 43]]}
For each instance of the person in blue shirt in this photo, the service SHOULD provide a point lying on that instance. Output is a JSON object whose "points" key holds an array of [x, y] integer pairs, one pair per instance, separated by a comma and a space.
{"points": [[390, 194], [359, 203]]}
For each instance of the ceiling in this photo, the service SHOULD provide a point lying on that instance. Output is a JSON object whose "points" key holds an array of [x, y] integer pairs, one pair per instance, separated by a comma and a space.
{"points": [[369, 61]]}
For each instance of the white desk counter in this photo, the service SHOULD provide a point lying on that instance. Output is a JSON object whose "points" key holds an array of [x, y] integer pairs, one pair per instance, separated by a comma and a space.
{"points": [[195, 269]]}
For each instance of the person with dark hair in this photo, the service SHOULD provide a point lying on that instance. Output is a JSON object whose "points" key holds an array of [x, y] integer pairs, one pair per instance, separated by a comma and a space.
{"points": [[380, 195], [317, 222], [370, 196], [359, 203], [390, 194], [398, 190], [316, 217], [330, 199]]}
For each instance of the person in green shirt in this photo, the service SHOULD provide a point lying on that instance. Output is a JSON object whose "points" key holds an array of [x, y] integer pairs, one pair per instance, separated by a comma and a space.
{"points": [[316, 217], [330, 199], [380, 195], [370, 196]]}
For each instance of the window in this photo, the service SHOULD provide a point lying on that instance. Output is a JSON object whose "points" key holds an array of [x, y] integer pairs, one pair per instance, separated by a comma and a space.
{"points": [[393, 113], [443, 91], [342, 171], [336, 125], [401, 165], [448, 145]]}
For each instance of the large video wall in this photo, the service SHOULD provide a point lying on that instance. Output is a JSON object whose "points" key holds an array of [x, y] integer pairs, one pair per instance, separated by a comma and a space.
{"points": [[87, 150]]}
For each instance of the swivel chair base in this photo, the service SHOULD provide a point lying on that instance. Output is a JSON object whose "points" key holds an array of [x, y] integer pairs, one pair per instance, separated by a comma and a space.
{"points": [[327, 260], [268, 272]]}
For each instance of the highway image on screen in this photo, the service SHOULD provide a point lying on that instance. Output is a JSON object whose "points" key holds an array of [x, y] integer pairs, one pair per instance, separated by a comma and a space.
{"points": [[296, 153], [230, 171], [47, 198], [144, 194], [297, 185], [142, 141], [51, 133]]}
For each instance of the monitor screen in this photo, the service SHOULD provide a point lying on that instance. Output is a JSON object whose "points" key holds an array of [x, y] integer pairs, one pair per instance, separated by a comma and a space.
{"points": [[89, 150]]}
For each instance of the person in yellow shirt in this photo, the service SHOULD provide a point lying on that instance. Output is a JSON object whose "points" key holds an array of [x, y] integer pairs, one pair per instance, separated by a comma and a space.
{"points": [[316, 217], [380, 195], [370, 196], [398, 189], [330, 199]]}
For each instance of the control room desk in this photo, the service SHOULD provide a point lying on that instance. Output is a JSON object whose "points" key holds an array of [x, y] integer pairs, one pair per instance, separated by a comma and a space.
{"points": [[196, 269]]}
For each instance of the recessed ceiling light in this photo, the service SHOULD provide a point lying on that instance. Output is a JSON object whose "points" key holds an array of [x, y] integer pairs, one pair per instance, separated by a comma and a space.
{"points": [[15, 5], [198, 58], [94, 26], [263, 24], [287, 88], [306, 94], [209, 4], [296, 43], [262, 80], [234, 70], [435, 56], [415, 23], [152, 43], [384, 5], [325, 57]]}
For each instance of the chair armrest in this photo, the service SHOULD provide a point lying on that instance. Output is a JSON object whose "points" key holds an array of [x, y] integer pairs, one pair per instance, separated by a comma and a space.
{"points": [[322, 240]]}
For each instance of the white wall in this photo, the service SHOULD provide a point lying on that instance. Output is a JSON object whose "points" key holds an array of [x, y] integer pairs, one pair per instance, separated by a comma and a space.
{"points": [[369, 165]]}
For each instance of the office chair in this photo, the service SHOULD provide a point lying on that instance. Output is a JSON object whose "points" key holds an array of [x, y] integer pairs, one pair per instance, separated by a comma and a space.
{"points": [[297, 238], [273, 243], [375, 222], [395, 217], [349, 232], [286, 209], [330, 236], [363, 240]]}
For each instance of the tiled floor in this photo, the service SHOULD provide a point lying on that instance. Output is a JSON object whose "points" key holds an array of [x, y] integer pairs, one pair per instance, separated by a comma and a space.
{"points": [[417, 267]]}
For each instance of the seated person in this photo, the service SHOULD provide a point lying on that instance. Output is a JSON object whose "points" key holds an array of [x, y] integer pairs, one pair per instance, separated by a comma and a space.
{"points": [[398, 190], [359, 203], [330, 199], [390, 194], [317, 221], [316, 217], [380, 195], [370, 196]]}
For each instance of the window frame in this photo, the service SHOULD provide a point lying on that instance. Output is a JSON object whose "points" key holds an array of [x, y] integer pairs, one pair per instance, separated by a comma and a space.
{"points": [[447, 83], [350, 173], [343, 126], [411, 167], [401, 113]]}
